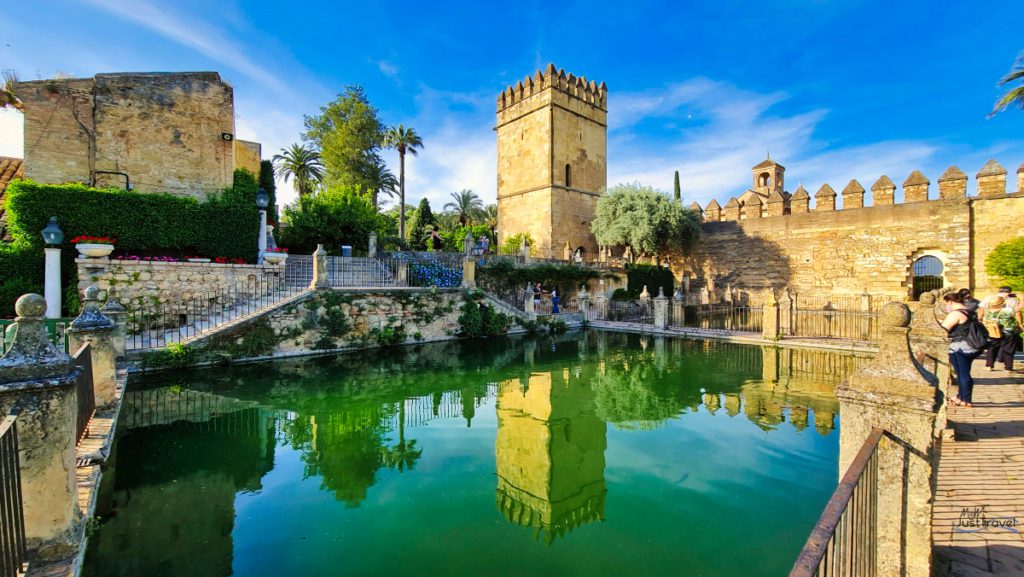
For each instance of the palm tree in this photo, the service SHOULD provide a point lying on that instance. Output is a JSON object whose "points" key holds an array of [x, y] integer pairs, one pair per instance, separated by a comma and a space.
{"points": [[491, 217], [1014, 96], [466, 204], [403, 140], [403, 455], [384, 180], [302, 163], [7, 98]]}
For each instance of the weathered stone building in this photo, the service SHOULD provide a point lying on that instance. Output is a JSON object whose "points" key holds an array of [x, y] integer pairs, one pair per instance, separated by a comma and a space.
{"points": [[154, 132], [552, 160]]}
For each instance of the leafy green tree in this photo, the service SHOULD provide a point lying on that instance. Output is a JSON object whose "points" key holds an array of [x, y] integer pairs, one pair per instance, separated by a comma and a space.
{"points": [[466, 204], [403, 140], [302, 163], [383, 180], [1006, 262], [348, 133], [267, 183], [1013, 97], [645, 220], [339, 215], [418, 232], [677, 192], [515, 242]]}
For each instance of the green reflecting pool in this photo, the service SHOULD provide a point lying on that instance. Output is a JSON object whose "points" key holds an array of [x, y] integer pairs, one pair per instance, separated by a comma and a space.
{"points": [[587, 454]]}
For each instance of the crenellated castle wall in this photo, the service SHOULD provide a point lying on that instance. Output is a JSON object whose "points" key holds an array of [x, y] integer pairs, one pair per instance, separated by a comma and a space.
{"points": [[858, 247]]}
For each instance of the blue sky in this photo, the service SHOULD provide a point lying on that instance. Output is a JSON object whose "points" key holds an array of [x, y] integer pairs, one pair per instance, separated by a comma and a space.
{"points": [[836, 89]]}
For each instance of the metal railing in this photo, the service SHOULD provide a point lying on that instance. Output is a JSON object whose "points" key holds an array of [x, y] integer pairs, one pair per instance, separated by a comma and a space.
{"points": [[55, 329], [12, 515], [625, 311], [835, 317], [844, 542], [86, 392], [159, 324], [725, 317]]}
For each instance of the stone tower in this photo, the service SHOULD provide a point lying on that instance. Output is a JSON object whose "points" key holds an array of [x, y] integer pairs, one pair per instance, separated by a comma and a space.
{"points": [[552, 160], [769, 176]]}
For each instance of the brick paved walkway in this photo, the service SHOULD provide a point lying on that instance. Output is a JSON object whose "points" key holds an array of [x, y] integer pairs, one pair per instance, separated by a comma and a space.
{"points": [[981, 477]]}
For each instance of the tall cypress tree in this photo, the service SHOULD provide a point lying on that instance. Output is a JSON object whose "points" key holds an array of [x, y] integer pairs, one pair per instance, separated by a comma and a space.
{"points": [[678, 194], [267, 183], [418, 227]]}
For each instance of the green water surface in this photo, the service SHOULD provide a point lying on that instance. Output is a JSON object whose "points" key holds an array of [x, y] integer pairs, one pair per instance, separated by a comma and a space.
{"points": [[586, 454]]}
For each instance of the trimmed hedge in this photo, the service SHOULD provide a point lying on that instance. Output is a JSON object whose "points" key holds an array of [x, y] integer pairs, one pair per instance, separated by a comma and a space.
{"points": [[142, 224], [503, 275], [640, 275]]}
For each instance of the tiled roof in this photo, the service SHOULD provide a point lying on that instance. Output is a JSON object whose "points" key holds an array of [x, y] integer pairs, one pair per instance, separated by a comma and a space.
{"points": [[10, 168]]}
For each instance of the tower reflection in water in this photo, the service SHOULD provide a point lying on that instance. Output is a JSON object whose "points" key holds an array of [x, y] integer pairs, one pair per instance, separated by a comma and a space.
{"points": [[549, 453]]}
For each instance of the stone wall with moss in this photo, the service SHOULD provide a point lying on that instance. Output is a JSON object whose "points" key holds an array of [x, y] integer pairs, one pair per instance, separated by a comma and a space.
{"points": [[149, 283]]}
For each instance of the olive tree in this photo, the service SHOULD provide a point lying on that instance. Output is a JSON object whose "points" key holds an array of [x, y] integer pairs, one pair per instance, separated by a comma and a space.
{"points": [[645, 220]]}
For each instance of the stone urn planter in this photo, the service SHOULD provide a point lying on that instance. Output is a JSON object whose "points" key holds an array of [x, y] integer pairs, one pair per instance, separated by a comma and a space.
{"points": [[93, 246], [275, 258]]}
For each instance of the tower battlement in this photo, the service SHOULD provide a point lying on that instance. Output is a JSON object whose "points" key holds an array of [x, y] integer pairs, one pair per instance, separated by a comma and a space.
{"points": [[577, 87]]}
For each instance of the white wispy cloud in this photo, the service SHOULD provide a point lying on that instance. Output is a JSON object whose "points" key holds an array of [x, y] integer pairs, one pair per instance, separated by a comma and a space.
{"points": [[199, 35], [713, 132]]}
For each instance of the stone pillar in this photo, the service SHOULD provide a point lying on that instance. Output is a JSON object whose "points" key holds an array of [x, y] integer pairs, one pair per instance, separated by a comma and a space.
{"points": [[952, 183], [113, 310], [883, 192], [785, 314], [770, 317], [97, 330], [372, 250], [469, 272], [661, 310], [528, 301], [679, 307], [261, 243], [992, 180], [524, 248], [39, 380], [52, 286], [584, 299], [567, 252], [928, 339], [892, 392], [402, 274], [686, 284], [1020, 178], [467, 243], [321, 280], [601, 303], [645, 299]]}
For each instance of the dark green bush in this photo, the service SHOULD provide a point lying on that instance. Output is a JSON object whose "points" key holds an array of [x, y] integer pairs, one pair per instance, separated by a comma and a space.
{"points": [[142, 223], [640, 275], [503, 275], [478, 319]]}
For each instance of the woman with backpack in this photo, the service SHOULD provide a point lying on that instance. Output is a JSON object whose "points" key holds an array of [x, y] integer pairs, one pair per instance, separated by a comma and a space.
{"points": [[961, 323], [1002, 316]]}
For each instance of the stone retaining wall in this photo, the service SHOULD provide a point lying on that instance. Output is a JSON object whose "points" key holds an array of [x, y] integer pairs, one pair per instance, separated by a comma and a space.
{"points": [[147, 283]]}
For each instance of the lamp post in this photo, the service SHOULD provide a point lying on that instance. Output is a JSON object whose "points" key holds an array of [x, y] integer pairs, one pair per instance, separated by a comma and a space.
{"points": [[262, 200], [52, 236]]}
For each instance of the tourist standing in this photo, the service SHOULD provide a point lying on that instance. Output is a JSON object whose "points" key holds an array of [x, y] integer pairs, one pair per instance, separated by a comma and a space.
{"points": [[554, 301], [969, 301], [485, 245], [1002, 313], [537, 292], [961, 354], [435, 238]]}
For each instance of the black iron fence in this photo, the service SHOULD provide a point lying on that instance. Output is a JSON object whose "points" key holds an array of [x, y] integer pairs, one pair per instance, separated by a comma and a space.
{"points": [[844, 542], [728, 317], [626, 311], [157, 324], [85, 390], [343, 271], [12, 515], [833, 317]]}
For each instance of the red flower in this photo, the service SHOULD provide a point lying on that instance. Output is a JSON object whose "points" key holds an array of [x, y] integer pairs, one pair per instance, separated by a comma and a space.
{"points": [[86, 239]]}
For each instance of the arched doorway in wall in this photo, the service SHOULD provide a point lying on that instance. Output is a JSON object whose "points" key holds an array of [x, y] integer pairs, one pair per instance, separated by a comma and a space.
{"points": [[927, 273]]}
